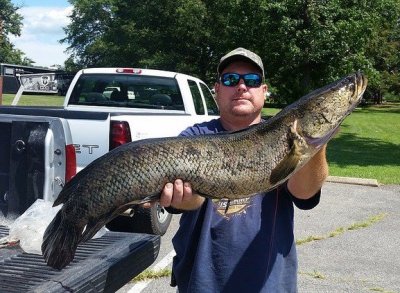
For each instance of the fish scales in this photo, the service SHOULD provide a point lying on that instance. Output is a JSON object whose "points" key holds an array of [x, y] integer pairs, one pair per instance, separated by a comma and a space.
{"points": [[222, 176], [227, 165]]}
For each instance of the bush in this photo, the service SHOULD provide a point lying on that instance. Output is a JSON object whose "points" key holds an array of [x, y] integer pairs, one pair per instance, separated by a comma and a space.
{"points": [[391, 97]]}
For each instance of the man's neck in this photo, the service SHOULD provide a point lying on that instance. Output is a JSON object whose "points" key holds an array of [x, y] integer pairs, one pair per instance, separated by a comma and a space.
{"points": [[239, 123]]}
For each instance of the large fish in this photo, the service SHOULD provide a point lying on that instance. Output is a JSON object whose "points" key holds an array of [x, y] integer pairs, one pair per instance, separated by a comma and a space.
{"points": [[230, 165]]}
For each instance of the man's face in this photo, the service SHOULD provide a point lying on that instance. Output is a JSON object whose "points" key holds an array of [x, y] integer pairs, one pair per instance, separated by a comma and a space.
{"points": [[240, 100]]}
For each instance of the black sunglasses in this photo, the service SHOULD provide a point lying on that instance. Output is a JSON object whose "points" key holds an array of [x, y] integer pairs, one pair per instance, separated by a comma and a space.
{"points": [[232, 79]]}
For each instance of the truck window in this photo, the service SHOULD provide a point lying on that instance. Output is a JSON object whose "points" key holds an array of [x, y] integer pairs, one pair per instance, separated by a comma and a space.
{"points": [[212, 107], [197, 100], [128, 91]]}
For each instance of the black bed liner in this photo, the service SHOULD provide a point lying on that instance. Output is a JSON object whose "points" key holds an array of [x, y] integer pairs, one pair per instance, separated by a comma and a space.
{"points": [[101, 265]]}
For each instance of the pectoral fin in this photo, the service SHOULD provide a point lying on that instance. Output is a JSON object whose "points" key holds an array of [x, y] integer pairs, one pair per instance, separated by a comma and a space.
{"points": [[287, 165]]}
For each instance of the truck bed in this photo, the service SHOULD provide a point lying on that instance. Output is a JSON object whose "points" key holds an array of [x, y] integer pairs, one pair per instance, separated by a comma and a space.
{"points": [[109, 262]]}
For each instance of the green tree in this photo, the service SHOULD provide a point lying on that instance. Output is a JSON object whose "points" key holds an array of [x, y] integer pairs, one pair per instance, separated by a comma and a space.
{"points": [[10, 24], [181, 35], [383, 51], [155, 34], [305, 44], [311, 42]]}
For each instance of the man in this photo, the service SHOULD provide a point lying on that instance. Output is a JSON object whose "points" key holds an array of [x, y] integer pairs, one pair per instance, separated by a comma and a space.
{"points": [[240, 245]]}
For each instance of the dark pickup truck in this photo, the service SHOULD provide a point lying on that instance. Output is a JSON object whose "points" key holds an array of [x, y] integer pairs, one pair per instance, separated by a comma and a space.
{"points": [[36, 159]]}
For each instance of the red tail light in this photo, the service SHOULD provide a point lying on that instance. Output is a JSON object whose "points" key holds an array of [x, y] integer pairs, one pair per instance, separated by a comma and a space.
{"points": [[70, 158], [120, 133], [129, 70]]}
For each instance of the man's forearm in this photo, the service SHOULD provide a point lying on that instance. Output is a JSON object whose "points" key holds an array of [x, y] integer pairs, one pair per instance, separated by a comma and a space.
{"points": [[309, 179]]}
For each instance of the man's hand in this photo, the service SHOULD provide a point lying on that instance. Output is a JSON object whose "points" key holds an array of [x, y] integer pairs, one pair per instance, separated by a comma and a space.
{"points": [[179, 195]]}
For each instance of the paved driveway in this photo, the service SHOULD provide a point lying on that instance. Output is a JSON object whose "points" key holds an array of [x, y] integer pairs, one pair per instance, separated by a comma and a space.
{"points": [[365, 259]]}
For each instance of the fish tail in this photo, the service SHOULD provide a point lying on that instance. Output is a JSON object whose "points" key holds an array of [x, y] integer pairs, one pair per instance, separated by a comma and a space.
{"points": [[60, 241]]}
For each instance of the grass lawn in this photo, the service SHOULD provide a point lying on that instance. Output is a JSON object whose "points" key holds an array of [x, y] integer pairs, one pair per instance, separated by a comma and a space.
{"points": [[368, 144], [35, 100]]}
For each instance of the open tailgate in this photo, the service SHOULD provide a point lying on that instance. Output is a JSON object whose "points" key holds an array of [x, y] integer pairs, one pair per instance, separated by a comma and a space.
{"points": [[104, 264]]}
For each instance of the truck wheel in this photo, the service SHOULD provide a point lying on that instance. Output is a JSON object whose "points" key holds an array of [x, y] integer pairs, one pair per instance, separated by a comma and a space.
{"points": [[154, 220]]}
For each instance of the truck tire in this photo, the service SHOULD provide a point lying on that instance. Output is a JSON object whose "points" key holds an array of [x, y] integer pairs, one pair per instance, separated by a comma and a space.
{"points": [[154, 220]]}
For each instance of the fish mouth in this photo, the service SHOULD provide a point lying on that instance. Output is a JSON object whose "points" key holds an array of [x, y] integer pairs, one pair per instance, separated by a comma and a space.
{"points": [[359, 82]]}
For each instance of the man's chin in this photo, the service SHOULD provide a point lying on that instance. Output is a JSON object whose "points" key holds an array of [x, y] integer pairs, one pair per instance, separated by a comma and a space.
{"points": [[242, 111]]}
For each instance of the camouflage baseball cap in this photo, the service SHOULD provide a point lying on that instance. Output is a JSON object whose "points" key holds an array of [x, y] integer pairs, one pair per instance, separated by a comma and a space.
{"points": [[240, 54]]}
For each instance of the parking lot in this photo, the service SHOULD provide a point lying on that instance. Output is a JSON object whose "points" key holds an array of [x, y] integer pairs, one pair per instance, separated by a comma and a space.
{"points": [[357, 232], [364, 255]]}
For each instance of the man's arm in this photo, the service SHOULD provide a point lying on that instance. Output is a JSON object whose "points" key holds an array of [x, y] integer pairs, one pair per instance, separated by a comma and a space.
{"points": [[307, 181]]}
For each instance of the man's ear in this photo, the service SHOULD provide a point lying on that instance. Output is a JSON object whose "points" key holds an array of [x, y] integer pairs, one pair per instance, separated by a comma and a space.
{"points": [[265, 88], [216, 87]]}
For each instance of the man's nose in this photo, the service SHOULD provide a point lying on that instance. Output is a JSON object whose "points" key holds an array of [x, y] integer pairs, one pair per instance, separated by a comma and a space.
{"points": [[241, 85]]}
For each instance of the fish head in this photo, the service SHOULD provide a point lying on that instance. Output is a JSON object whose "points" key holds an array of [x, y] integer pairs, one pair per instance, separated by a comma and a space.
{"points": [[322, 111]]}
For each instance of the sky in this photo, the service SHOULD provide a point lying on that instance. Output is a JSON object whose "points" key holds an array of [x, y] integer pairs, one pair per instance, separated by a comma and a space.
{"points": [[42, 29]]}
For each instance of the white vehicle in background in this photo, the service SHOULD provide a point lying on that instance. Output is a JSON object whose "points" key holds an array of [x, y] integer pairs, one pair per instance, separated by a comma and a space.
{"points": [[107, 107], [37, 158]]}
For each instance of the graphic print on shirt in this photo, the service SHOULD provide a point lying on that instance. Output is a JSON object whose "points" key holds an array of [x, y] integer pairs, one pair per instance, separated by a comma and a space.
{"points": [[228, 207]]}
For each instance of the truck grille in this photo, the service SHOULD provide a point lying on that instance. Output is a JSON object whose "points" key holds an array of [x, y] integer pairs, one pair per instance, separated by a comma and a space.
{"points": [[100, 265]]}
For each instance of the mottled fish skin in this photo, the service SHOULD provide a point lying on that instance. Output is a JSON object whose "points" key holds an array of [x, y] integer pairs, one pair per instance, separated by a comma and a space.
{"points": [[228, 165]]}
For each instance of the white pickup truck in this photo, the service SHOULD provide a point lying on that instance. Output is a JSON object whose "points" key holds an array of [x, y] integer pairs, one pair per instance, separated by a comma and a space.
{"points": [[107, 107], [37, 157]]}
